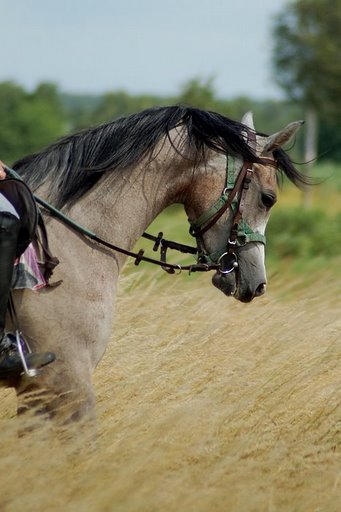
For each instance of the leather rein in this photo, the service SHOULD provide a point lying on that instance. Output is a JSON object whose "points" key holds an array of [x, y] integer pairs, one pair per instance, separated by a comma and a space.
{"points": [[224, 263]]}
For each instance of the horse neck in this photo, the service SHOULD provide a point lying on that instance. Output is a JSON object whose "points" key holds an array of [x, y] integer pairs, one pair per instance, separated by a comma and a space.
{"points": [[123, 204]]}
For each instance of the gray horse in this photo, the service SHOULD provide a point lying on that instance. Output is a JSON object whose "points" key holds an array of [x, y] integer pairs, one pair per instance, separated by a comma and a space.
{"points": [[115, 179]]}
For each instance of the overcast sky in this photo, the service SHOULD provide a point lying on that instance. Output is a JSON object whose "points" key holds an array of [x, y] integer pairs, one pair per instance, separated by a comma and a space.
{"points": [[146, 46]]}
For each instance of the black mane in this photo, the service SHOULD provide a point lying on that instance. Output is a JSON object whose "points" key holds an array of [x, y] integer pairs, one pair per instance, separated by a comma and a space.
{"points": [[75, 163]]}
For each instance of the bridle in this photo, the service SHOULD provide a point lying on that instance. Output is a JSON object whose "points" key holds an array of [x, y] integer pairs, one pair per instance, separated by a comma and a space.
{"points": [[233, 196], [224, 261]]}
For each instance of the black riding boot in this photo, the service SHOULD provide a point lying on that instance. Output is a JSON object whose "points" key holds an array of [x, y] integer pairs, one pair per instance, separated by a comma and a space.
{"points": [[9, 231], [10, 361]]}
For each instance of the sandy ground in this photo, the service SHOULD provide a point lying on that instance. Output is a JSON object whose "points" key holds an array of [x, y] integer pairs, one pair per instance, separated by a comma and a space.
{"points": [[204, 404]]}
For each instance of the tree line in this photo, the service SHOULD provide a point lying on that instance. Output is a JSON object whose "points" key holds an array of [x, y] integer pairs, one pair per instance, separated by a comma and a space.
{"points": [[30, 120], [306, 64]]}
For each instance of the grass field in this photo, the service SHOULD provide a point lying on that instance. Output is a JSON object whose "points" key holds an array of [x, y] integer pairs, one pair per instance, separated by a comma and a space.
{"points": [[204, 404]]}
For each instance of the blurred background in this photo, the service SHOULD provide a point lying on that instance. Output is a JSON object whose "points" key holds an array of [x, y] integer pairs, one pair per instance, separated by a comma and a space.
{"points": [[69, 65]]}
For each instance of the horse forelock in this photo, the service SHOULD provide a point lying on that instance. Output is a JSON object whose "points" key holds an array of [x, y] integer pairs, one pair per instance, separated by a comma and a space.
{"points": [[75, 163]]}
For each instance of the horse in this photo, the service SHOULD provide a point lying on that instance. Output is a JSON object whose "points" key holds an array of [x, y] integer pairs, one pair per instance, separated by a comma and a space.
{"points": [[114, 179]]}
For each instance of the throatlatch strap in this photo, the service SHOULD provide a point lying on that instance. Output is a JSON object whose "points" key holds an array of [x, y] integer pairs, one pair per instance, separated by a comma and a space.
{"points": [[198, 228], [230, 181], [208, 214]]}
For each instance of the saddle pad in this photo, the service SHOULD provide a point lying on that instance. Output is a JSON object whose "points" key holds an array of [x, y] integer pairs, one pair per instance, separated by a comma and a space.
{"points": [[26, 272]]}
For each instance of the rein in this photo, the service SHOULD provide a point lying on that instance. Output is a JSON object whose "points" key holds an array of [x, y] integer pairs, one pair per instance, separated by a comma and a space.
{"points": [[159, 241], [223, 261]]}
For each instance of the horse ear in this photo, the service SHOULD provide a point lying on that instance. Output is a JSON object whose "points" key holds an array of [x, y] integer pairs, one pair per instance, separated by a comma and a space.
{"points": [[278, 139], [248, 120]]}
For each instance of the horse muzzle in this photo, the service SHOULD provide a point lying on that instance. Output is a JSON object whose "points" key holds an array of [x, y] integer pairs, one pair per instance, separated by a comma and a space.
{"points": [[229, 285], [241, 274], [248, 294]]}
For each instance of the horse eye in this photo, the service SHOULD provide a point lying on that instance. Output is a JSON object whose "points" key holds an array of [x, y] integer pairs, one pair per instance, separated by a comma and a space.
{"points": [[268, 199]]}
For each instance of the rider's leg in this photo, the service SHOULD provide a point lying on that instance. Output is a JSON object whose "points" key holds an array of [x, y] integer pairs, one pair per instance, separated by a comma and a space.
{"points": [[9, 231], [10, 360]]}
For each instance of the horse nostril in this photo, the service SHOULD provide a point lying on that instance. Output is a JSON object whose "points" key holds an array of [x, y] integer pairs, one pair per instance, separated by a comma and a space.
{"points": [[260, 290]]}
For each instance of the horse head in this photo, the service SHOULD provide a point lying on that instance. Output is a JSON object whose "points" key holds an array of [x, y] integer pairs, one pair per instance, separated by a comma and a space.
{"points": [[231, 230]]}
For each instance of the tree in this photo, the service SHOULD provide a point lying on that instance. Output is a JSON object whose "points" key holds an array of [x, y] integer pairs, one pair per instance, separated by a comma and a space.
{"points": [[29, 121], [11, 96], [307, 62], [120, 103], [199, 93], [307, 54]]}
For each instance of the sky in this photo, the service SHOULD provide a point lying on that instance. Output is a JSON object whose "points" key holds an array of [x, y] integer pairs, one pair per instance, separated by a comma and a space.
{"points": [[141, 46]]}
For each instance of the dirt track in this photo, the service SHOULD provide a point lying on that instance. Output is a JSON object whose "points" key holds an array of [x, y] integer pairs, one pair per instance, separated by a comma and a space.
{"points": [[204, 405]]}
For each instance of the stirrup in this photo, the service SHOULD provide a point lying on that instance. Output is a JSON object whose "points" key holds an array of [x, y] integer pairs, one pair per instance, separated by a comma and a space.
{"points": [[23, 361], [30, 372]]}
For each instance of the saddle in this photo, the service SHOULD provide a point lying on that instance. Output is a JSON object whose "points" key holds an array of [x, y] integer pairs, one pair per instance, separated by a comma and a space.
{"points": [[33, 229], [16, 357]]}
